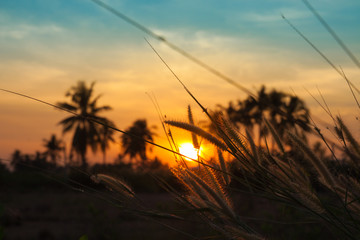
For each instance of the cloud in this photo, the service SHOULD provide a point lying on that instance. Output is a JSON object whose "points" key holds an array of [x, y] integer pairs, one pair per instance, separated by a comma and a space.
{"points": [[275, 15], [21, 31]]}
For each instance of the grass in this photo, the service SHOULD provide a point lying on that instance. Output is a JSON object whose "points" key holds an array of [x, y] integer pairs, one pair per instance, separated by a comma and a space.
{"points": [[302, 184], [291, 178]]}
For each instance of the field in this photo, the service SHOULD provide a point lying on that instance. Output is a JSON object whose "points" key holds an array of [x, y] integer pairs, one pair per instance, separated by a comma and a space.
{"points": [[70, 215], [60, 213], [267, 158]]}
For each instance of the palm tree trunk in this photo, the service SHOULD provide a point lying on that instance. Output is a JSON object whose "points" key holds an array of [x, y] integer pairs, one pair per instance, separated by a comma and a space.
{"points": [[66, 162], [259, 140], [104, 157], [83, 161]]}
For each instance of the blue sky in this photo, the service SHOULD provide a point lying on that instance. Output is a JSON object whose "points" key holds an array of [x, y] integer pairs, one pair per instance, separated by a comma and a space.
{"points": [[47, 45]]}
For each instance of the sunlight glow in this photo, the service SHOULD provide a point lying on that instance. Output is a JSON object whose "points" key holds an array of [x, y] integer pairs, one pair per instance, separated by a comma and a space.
{"points": [[188, 150]]}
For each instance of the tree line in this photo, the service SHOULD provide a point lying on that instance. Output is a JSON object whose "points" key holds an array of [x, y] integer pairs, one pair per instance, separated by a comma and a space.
{"points": [[282, 110], [87, 133]]}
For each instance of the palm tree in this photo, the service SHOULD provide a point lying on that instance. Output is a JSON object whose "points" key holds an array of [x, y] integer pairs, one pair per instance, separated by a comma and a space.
{"points": [[282, 110], [53, 147], [87, 133], [17, 160], [276, 104], [241, 113], [105, 137], [134, 143], [260, 104], [251, 112], [295, 115]]}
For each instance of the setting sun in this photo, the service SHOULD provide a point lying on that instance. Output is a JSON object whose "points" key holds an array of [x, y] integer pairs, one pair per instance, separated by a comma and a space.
{"points": [[188, 150]]}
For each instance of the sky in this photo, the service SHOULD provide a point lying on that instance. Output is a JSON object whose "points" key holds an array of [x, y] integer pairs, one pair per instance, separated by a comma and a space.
{"points": [[48, 45]]}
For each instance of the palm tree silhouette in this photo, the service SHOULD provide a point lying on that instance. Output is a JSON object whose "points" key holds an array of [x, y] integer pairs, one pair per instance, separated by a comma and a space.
{"points": [[54, 147], [87, 133], [295, 116], [105, 137], [241, 113], [284, 111], [134, 143], [17, 160], [260, 106]]}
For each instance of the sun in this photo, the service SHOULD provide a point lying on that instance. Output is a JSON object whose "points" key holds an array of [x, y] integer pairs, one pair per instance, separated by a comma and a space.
{"points": [[189, 151]]}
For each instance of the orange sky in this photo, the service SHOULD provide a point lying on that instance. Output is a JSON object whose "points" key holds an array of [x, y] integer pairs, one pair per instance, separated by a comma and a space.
{"points": [[45, 59]]}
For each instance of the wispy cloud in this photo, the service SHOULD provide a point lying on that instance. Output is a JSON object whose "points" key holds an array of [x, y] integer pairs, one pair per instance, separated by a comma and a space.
{"points": [[22, 31], [275, 15]]}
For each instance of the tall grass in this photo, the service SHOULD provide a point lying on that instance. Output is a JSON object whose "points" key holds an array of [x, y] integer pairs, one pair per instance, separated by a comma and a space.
{"points": [[302, 180], [295, 177], [291, 173]]}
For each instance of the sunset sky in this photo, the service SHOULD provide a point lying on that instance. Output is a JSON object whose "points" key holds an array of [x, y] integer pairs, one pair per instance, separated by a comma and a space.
{"points": [[48, 45]]}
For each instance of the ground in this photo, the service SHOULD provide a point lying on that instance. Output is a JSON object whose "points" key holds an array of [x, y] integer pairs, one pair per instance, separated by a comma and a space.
{"points": [[65, 214]]}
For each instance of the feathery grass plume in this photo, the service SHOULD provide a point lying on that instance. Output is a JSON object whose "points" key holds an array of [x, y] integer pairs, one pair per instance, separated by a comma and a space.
{"points": [[211, 178], [319, 165], [198, 131], [114, 184], [304, 194], [233, 144], [193, 135], [193, 189], [223, 167], [238, 147], [215, 206], [354, 144], [232, 133], [198, 199], [217, 196], [197, 195], [254, 150], [275, 135]]}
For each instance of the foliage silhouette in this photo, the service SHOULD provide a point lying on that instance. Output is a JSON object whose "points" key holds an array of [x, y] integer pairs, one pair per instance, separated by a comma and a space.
{"points": [[134, 143], [54, 147], [86, 133], [21, 162], [284, 111], [105, 137]]}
